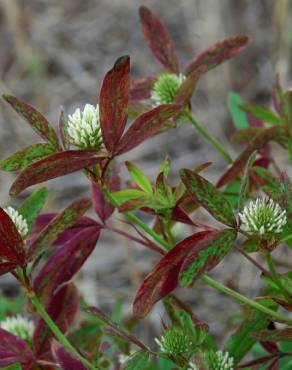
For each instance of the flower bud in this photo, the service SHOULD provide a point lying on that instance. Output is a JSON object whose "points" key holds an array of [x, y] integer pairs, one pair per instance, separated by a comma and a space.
{"points": [[166, 87], [219, 361], [175, 342], [19, 326]]}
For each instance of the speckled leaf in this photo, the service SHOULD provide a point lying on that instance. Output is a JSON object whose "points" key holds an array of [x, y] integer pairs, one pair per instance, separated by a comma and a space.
{"points": [[23, 158], [140, 89], [113, 102], [13, 349], [11, 243], [38, 122], [64, 358], [205, 257], [53, 166], [203, 192], [147, 125], [163, 279], [257, 143], [32, 206], [218, 53], [158, 39], [60, 223]]}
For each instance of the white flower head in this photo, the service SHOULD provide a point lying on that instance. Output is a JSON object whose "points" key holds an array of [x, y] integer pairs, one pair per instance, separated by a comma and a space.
{"points": [[19, 326], [224, 361], [84, 127], [19, 221], [175, 342], [166, 87], [263, 217]]}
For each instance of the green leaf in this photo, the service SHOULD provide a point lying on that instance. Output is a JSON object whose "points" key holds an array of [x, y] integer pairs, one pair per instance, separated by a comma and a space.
{"points": [[139, 178], [245, 182], [262, 113], [207, 257], [31, 207], [208, 197], [238, 116], [16, 366], [126, 195], [23, 158], [137, 361], [242, 341]]}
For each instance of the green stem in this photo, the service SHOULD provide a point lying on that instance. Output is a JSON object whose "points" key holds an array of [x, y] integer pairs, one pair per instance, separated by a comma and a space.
{"points": [[242, 299], [211, 139], [276, 277], [56, 331], [136, 220]]}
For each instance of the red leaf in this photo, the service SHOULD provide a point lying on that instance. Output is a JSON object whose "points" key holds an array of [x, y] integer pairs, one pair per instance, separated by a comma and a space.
{"points": [[164, 277], [187, 88], [158, 39], [13, 349], [38, 122], [64, 358], [53, 166], [217, 54], [238, 165], [147, 125], [113, 102], [141, 88], [62, 308], [7, 267], [66, 262], [11, 243]]}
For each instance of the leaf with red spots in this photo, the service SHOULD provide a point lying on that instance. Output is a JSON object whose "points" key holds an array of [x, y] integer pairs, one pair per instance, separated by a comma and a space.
{"points": [[203, 192], [13, 349], [53, 166], [158, 39], [113, 103], [37, 121], [141, 88], [217, 54], [147, 125], [11, 243], [163, 279], [64, 358]]}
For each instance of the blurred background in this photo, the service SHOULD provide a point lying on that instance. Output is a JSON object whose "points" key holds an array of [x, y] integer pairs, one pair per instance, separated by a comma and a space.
{"points": [[55, 53]]}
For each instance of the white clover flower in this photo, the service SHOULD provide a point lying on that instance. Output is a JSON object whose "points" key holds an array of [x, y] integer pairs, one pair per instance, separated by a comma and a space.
{"points": [[263, 216], [19, 221], [84, 128], [224, 361], [175, 342], [166, 87], [19, 326]]}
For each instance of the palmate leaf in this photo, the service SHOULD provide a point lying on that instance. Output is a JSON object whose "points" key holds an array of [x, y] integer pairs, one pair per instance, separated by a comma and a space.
{"points": [[217, 54], [164, 278], [113, 103], [23, 158], [64, 358], [37, 121], [158, 39], [203, 192], [54, 166]]}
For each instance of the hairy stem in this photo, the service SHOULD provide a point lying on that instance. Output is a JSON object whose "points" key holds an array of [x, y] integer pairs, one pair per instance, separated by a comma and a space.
{"points": [[57, 332], [210, 138]]}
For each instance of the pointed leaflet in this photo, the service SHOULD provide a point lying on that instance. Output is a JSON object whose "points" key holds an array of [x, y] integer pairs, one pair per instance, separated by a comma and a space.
{"points": [[217, 54], [64, 358], [113, 102], [187, 88], [158, 39], [163, 279], [239, 117], [147, 125], [203, 192], [65, 262], [13, 349], [60, 223], [11, 243], [53, 166], [141, 88], [257, 143], [138, 177], [261, 113], [38, 122], [23, 158]]}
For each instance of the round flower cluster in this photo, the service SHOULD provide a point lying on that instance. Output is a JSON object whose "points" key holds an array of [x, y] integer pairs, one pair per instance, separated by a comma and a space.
{"points": [[166, 87], [220, 361], [263, 217], [19, 221], [175, 342], [19, 326], [84, 129]]}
